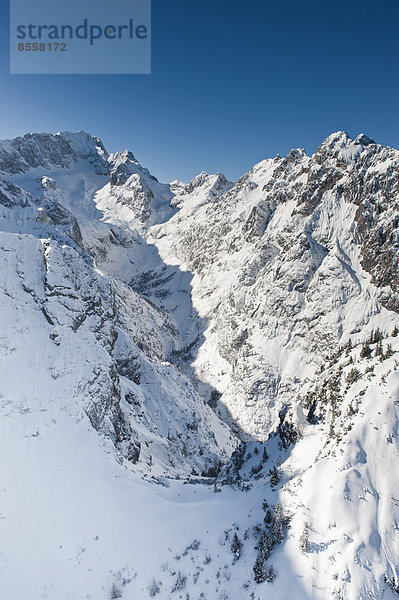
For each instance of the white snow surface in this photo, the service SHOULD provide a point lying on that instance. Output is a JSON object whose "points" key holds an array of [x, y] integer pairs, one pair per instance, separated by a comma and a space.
{"points": [[146, 329]]}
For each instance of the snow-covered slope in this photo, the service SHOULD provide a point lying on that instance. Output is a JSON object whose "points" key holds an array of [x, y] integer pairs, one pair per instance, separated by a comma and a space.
{"points": [[147, 328], [299, 255], [106, 348]]}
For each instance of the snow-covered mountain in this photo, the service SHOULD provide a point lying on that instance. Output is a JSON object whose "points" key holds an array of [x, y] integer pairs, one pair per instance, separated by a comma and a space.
{"points": [[199, 389]]}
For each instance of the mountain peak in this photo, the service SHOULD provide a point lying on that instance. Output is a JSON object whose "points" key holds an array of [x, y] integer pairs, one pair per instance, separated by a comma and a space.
{"points": [[341, 146], [84, 144], [47, 150], [364, 140], [205, 179], [123, 157], [334, 142]]}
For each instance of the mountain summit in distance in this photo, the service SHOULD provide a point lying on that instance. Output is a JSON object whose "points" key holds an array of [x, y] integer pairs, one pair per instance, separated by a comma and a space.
{"points": [[198, 381]]}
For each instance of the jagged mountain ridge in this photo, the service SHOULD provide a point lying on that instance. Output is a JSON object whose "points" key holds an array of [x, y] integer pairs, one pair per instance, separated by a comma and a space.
{"points": [[133, 338], [299, 255], [134, 305]]}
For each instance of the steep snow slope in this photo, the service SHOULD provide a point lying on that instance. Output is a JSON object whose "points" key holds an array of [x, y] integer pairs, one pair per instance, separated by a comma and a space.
{"points": [[296, 257], [129, 306], [108, 347]]}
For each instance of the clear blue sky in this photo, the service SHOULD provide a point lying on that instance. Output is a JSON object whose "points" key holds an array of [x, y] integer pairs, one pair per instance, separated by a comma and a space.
{"points": [[232, 83]]}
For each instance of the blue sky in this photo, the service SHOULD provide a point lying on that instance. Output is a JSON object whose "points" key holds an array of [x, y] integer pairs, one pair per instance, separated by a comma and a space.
{"points": [[232, 83]]}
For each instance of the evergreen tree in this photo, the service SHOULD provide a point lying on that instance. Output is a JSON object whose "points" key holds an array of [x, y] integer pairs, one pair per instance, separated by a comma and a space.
{"points": [[274, 477], [268, 517], [180, 583], [365, 352], [271, 574], [348, 346], [376, 336], [264, 546], [236, 547], [353, 376], [238, 456], [277, 530], [268, 539], [154, 588], [256, 469], [304, 539], [259, 568], [388, 351], [115, 592]]}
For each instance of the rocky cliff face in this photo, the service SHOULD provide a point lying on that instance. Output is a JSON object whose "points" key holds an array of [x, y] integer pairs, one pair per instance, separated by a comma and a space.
{"points": [[115, 344], [294, 259], [43, 150]]}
